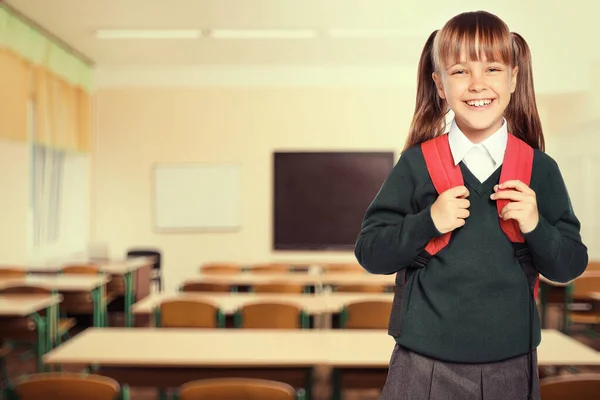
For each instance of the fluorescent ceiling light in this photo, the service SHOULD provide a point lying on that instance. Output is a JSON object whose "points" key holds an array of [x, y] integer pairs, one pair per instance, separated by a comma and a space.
{"points": [[263, 33], [148, 33], [365, 33]]}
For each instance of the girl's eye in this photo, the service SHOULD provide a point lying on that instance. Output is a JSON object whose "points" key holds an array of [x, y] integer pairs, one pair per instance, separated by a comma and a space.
{"points": [[458, 72], [494, 69]]}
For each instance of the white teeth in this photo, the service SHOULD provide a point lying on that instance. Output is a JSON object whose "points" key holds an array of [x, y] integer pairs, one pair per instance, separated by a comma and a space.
{"points": [[479, 103]]}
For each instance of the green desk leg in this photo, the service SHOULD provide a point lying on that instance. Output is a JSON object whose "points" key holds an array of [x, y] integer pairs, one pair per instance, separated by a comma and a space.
{"points": [[41, 328], [125, 392], [100, 314], [129, 279]]}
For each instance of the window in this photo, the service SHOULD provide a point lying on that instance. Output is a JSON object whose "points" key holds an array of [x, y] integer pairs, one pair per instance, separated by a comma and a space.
{"points": [[59, 199]]}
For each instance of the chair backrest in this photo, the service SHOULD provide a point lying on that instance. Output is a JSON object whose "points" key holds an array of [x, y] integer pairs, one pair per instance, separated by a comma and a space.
{"points": [[66, 386], [8, 272], [80, 269], [369, 314], [584, 285], [26, 289], [270, 269], [567, 387], [365, 288], [146, 253], [200, 287], [188, 314], [343, 267], [593, 266], [275, 287], [220, 269], [236, 389], [270, 315]]}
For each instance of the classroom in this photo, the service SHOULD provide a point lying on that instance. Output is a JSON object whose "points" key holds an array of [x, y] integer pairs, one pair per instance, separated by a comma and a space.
{"points": [[191, 189]]}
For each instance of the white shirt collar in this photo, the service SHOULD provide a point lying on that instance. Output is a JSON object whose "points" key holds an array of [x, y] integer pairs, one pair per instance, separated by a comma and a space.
{"points": [[460, 145]]}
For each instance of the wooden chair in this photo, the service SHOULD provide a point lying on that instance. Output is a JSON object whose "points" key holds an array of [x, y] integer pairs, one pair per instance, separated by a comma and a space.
{"points": [[270, 269], [236, 389], [366, 315], [220, 269], [350, 288], [571, 387], [271, 315], [583, 286], [275, 287], [188, 314], [593, 266], [8, 272], [343, 268], [200, 287], [66, 386], [114, 287]]}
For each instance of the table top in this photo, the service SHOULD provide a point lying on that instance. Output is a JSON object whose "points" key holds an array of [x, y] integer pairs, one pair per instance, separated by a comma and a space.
{"points": [[187, 347], [61, 283], [229, 303], [248, 278], [158, 347], [114, 267], [21, 305]]}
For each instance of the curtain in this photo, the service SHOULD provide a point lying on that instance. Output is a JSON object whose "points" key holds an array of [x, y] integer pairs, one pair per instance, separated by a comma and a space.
{"points": [[45, 101]]}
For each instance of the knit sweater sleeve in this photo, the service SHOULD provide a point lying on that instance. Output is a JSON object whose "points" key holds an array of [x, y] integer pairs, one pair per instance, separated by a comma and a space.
{"points": [[555, 244], [393, 232]]}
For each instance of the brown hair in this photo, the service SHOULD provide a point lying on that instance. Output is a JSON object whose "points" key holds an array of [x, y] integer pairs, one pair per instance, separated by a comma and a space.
{"points": [[481, 33]]}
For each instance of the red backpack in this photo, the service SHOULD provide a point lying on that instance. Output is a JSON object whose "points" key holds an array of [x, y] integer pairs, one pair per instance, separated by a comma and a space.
{"points": [[518, 162]]}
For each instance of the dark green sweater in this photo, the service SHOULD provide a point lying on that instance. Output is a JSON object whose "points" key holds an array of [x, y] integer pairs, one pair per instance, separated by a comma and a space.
{"points": [[470, 303]]}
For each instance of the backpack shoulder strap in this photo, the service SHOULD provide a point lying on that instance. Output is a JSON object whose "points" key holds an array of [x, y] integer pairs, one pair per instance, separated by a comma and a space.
{"points": [[517, 165], [444, 175]]}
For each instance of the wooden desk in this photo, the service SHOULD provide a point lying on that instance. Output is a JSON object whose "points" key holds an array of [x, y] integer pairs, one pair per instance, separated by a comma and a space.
{"points": [[157, 357], [16, 305], [68, 283], [307, 279], [166, 358], [375, 350], [127, 269]]}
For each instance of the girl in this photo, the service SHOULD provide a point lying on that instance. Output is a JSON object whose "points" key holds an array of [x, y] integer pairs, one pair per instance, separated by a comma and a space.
{"points": [[462, 320]]}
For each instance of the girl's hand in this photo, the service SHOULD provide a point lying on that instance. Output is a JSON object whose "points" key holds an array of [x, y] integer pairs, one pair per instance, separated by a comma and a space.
{"points": [[450, 209], [522, 206]]}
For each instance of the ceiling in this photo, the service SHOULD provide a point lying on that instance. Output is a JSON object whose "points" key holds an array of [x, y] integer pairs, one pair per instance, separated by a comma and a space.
{"points": [[75, 21]]}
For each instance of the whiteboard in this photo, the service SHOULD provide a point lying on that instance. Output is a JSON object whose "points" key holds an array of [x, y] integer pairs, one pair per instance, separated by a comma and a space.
{"points": [[196, 196]]}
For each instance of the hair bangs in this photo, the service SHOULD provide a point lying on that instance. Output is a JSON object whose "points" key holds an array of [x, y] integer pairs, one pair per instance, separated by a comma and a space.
{"points": [[473, 37]]}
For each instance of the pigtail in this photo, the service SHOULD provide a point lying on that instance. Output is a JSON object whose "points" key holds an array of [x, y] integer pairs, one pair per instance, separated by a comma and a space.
{"points": [[429, 117], [522, 113]]}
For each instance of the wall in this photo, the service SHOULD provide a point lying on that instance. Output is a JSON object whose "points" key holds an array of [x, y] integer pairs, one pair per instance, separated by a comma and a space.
{"points": [[138, 126], [576, 144]]}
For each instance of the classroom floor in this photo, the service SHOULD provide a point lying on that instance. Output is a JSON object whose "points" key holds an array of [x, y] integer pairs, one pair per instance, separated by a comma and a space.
{"points": [[321, 389]]}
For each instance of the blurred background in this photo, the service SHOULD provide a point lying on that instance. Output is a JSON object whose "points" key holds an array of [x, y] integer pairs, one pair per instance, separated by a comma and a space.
{"points": [[248, 133]]}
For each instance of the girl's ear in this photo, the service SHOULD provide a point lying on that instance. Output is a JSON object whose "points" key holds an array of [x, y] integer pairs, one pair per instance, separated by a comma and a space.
{"points": [[439, 85], [513, 79]]}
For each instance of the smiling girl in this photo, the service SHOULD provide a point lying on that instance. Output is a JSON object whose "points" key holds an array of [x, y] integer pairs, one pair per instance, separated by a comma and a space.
{"points": [[463, 320]]}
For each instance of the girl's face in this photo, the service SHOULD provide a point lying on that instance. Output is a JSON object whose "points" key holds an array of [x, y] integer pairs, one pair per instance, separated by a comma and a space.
{"points": [[478, 92]]}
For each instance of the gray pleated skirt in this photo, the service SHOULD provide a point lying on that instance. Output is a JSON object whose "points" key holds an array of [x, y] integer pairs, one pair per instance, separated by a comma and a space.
{"points": [[415, 377]]}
